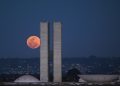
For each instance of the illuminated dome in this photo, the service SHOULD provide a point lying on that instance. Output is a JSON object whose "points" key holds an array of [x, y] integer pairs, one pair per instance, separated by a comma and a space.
{"points": [[26, 78], [99, 78], [81, 80]]}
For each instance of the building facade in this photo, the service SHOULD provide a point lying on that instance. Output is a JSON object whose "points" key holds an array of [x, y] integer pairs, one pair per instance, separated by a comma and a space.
{"points": [[57, 72], [44, 52]]}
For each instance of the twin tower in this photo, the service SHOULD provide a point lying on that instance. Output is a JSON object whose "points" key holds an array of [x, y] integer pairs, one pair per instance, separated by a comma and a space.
{"points": [[44, 52]]}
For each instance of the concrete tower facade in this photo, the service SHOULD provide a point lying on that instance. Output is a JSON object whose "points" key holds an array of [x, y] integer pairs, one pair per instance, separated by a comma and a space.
{"points": [[44, 52], [57, 71]]}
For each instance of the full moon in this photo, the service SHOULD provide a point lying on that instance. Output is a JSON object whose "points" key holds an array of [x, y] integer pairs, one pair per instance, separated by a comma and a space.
{"points": [[33, 42]]}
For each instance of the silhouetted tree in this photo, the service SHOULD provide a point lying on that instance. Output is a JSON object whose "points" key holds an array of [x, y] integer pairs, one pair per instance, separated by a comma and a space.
{"points": [[72, 75]]}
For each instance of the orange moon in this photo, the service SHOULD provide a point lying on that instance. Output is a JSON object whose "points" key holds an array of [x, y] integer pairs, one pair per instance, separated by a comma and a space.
{"points": [[33, 42]]}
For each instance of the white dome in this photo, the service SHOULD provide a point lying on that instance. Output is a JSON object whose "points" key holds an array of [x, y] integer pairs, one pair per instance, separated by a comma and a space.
{"points": [[81, 80], [26, 78], [99, 78]]}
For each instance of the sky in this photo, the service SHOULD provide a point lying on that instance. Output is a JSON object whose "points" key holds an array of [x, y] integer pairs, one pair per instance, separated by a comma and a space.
{"points": [[89, 27]]}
